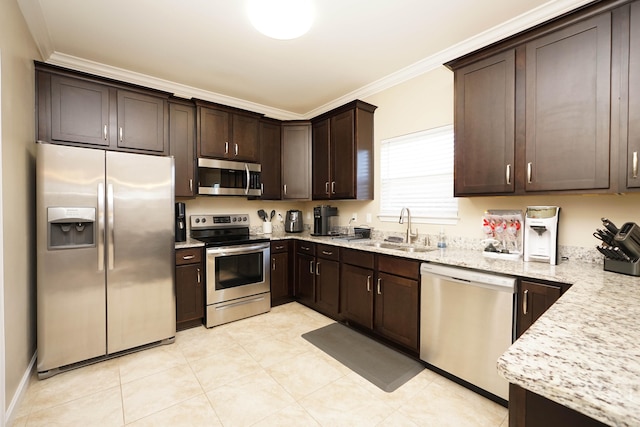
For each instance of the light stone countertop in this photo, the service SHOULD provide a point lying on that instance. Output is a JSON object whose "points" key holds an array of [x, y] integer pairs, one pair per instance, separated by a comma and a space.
{"points": [[584, 352]]}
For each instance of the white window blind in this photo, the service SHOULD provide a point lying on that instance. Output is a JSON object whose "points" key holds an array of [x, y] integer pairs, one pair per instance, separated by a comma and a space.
{"points": [[417, 173]]}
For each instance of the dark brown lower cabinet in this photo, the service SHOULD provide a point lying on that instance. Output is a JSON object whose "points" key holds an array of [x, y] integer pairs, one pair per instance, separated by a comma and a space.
{"points": [[281, 289], [528, 409], [189, 288], [328, 280], [305, 273], [535, 298], [383, 299]]}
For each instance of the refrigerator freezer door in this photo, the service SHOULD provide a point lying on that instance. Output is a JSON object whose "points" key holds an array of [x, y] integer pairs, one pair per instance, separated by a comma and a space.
{"points": [[71, 302], [140, 250]]}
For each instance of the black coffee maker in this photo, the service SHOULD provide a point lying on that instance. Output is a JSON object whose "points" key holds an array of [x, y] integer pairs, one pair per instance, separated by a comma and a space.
{"points": [[181, 222], [323, 218]]}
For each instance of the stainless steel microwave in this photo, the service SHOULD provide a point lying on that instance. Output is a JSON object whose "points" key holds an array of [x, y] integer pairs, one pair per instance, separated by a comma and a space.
{"points": [[228, 178]]}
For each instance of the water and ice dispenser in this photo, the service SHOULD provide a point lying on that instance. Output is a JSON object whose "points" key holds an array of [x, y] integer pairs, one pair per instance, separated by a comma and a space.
{"points": [[70, 227], [541, 234]]}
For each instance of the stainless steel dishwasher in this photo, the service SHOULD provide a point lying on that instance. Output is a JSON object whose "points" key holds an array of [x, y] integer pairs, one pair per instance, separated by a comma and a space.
{"points": [[466, 323]]}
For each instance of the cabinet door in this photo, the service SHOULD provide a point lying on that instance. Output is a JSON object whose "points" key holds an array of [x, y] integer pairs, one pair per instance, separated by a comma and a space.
{"points": [[279, 277], [244, 139], [79, 111], [270, 158], [189, 292], [305, 278], [485, 126], [396, 309], [321, 180], [356, 285], [296, 161], [568, 79], [328, 287], [213, 136], [633, 131], [343, 160], [182, 147], [141, 121], [533, 300]]}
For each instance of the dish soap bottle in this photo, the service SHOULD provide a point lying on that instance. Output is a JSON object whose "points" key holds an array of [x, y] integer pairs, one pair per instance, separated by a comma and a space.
{"points": [[442, 239]]}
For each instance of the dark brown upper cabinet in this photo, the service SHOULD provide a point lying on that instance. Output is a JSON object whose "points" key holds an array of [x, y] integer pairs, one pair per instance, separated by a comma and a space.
{"points": [[568, 101], [74, 108], [226, 133], [485, 126], [182, 140], [270, 132], [342, 150]]}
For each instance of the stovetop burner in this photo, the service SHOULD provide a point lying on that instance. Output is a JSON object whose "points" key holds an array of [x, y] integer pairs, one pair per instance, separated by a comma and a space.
{"points": [[223, 230]]}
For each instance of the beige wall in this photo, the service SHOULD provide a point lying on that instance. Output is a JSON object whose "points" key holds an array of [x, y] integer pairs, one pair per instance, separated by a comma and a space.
{"points": [[426, 102], [18, 148]]}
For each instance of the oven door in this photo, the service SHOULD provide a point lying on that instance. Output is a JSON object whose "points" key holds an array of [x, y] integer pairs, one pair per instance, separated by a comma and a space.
{"points": [[237, 271]]}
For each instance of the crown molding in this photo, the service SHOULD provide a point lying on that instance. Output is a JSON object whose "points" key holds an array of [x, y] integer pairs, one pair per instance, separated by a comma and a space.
{"points": [[35, 20]]}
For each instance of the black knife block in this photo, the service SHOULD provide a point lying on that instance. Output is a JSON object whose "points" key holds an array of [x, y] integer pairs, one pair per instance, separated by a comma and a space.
{"points": [[624, 267]]}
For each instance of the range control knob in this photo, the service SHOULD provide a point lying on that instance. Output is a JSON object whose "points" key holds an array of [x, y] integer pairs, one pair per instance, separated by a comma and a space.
{"points": [[204, 220], [197, 220]]}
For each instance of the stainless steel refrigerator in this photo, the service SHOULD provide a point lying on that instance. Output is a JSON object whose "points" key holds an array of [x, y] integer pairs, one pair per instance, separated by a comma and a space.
{"points": [[105, 254]]}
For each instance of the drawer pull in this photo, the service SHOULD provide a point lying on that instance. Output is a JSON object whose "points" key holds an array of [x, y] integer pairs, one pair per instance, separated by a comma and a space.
{"points": [[327, 252], [279, 247], [188, 257]]}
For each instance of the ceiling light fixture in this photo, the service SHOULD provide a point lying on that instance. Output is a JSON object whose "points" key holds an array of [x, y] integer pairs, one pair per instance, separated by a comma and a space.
{"points": [[281, 19]]}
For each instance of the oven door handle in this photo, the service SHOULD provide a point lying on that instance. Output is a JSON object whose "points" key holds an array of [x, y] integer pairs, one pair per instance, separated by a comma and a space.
{"points": [[237, 249]]}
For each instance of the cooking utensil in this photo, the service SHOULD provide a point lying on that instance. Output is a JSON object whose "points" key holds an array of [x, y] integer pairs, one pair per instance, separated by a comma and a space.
{"points": [[273, 214], [262, 214]]}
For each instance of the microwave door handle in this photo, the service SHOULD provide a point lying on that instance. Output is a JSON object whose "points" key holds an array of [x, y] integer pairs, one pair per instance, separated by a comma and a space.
{"points": [[246, 168]]}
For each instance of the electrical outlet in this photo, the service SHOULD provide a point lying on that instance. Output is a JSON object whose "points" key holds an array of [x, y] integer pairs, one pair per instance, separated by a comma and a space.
{"points": [[369, 218], [354, 216]]}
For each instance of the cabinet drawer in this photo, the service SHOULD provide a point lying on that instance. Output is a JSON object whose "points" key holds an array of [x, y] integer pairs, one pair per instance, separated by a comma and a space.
{"points": [[399, 266], [328, 252], [279, 246], [362, 259], [303, 247], [188, 256]]}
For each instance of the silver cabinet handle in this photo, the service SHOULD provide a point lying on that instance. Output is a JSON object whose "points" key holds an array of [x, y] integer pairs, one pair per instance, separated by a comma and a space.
{"points": [[226, 147], [311, 267], [198, 275], [635, 164], [509, 174], [104, 132], [188, 257], [305, 248], [326, 187], [100, 227], [191, 185], [327, 253], [379, 283], [110, 228], [368, 283], [261, 188], [121, 133], [525, 301], [273, 264], [529, 172], [236, 146], [285, 189], [333, 187], [279, 247], [317, 268]]}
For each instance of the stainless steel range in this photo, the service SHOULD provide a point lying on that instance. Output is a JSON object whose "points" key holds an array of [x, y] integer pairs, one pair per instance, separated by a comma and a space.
{"points": [[238, 282]]}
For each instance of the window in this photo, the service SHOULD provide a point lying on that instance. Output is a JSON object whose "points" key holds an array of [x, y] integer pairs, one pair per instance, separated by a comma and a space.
{"points": [[417, 173]]}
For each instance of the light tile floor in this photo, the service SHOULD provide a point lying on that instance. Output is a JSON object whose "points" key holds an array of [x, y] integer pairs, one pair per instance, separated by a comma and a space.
{"points": [[254, 372]]}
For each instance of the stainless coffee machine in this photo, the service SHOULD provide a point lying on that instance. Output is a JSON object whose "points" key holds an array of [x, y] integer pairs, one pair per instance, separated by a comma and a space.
{"points": [[323, 219], [541, 234]]}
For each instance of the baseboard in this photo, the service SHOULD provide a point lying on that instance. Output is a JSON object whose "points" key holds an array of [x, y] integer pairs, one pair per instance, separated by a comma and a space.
{"points": [[19, 395]]}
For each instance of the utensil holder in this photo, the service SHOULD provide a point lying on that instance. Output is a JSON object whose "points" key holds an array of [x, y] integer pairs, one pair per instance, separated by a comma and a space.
{"points": [[624, 267], [267, 227]]}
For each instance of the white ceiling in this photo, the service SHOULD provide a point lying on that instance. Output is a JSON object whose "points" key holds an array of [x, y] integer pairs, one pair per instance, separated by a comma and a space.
{"points": [[208, 49]]}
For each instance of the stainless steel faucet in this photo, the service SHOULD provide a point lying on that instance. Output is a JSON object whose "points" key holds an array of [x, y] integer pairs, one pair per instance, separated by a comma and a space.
{"points": [[410, 235]]}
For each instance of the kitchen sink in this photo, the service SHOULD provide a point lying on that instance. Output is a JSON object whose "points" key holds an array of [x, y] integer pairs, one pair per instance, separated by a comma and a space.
{"points": [[399, 247]]}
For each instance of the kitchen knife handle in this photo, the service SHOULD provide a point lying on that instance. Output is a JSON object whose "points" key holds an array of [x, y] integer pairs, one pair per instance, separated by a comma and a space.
{"points": [[635, 164], [368, 283], [379, 286], [508, 174], [529, 172], [100, 227], [525, 301], [110, 228]]}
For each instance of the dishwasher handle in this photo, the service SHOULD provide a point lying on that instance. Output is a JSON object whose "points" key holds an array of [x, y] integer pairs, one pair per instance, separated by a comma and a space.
{"points": [[469, 277]]}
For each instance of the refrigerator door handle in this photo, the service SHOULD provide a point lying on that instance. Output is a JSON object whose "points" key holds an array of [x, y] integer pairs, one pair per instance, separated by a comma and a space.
{"points": [[110, 229], [100, 227]]}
